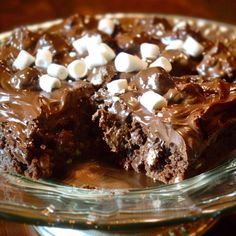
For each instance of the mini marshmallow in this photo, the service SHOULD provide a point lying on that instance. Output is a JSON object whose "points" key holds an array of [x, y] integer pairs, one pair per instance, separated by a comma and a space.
{"points": [[175, 45], [106, 51], [57, 71], [48, 83], [125, 62], [94, 60], [23, 60], [106, 25], [192, 47], [93, 40], [77, 69], [163, 63], [117, 86], [152, 101], [82, 45], [43, 58], [149, 51], [102, 49]]}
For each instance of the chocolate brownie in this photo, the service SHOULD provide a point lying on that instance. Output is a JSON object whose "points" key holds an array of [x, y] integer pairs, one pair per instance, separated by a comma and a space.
{"points": [[148, 93]]}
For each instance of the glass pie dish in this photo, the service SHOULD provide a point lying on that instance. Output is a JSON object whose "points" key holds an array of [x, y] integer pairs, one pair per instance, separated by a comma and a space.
{"points": [[120, 200]]}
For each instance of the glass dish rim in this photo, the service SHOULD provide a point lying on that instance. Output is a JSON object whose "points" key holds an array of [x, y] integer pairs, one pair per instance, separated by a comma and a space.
{"points": [[98, 212]]}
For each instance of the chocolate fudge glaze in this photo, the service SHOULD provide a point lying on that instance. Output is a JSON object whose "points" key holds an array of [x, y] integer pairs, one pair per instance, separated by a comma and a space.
{"points": [[200, 91]]}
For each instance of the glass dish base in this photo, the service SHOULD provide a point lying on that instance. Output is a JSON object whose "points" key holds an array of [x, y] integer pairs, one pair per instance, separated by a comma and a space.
{"points": [[196, 228]]}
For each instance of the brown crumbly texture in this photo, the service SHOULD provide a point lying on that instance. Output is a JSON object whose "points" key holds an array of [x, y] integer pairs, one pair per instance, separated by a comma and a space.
{"points": [[42, 134]]}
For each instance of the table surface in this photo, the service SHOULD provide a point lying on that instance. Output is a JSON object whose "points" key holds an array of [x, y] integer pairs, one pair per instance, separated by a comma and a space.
{"points": [[16, 12]]}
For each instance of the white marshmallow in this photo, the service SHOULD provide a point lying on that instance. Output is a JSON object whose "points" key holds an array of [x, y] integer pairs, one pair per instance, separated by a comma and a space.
{"points": [[106, 51], [152, 101], [94, 60], [23, 60], [99, 55], [117, 86], [149, 51], [77, 69], [93, 40], [192, 47], [102, 49], [175, 45], [125, 62], [163, 63], [83, 44], [43, 58], [80, 45], [106, 25], [57, 71], [48, 83]]}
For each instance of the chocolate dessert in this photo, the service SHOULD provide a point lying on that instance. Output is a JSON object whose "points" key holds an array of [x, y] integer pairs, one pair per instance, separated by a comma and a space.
{"points": [[149, 94]]}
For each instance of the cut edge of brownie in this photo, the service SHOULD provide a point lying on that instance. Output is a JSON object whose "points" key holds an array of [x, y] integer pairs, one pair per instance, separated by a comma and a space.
{"points": [[161, 156], [53, 140]]}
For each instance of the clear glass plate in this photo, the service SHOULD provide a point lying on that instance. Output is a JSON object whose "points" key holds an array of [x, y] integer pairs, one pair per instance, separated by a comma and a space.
{"points": [[134, 202]]}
